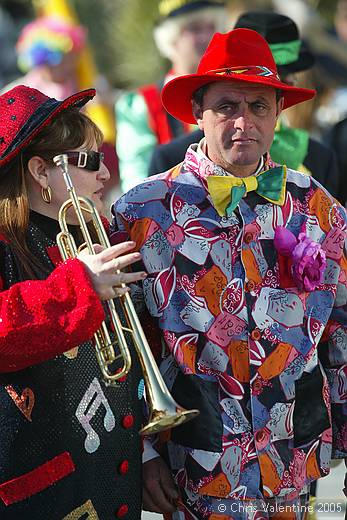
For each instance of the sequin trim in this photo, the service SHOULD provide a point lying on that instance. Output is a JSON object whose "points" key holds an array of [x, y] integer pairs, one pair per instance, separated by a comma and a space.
{"points": [[37, 480]]}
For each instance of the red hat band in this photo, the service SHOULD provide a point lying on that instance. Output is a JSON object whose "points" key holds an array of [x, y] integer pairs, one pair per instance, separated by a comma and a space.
{"points": [[256, 70], [240, 55]]}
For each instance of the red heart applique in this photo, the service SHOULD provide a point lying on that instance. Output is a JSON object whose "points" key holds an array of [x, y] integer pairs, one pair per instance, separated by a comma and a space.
{"points": [[25, 402]]}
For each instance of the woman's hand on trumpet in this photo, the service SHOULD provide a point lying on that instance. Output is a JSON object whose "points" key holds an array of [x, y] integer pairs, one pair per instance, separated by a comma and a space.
{"points": [[105, 269]]}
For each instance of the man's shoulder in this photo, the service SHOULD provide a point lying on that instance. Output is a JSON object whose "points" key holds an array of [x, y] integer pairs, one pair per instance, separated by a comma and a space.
{"points": [[305, 187], [167, 155], [299, 181], [151, 188]]}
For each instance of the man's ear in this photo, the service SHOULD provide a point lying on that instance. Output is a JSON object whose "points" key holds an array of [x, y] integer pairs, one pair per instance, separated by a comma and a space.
{"points": [[279, 107], [197, 113], [37, 169]]}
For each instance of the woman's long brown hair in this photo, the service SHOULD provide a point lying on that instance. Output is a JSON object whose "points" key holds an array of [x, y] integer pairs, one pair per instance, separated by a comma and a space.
{"points": [[69, 130]]}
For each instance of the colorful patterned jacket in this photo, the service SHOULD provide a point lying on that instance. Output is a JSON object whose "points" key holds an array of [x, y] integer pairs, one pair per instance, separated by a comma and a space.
{"points": [[263, 361]]}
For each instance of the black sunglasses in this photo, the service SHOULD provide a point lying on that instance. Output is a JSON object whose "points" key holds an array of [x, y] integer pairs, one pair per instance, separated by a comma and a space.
{"points": [[89, 160]]}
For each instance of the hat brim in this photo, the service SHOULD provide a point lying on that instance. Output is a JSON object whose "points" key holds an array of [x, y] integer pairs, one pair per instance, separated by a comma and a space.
{"points": [[40, 119], [177, 93]]}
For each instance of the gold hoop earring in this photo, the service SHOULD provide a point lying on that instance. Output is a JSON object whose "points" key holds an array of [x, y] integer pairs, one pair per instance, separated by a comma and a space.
{"points": [[46, 194]]}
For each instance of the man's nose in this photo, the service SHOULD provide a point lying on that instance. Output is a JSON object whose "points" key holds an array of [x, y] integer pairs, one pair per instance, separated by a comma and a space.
{"points": [[243, 120]]}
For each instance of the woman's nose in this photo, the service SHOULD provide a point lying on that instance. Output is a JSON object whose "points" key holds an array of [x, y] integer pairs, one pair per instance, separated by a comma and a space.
{"points": [[104, 173]]}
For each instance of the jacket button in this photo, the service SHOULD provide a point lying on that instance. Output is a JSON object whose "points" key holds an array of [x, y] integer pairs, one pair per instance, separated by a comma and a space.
{"points": [[124, 467], [123, 378], [127, 421], [250, 285], [248, 237], [256, 334], [122, 511]]}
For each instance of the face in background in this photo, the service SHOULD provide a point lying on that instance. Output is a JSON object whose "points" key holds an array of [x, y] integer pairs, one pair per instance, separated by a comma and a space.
{"points": [[291, 78], [87, 183], [191, 43], [239, 121], [63, 71]]}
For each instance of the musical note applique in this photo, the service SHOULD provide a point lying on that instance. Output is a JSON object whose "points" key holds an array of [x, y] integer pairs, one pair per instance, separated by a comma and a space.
{"points": [[86, 410], [86, 508], [25, 402]]}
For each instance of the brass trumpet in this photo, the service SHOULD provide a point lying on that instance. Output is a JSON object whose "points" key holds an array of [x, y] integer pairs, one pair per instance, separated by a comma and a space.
{"points": [[164, 412]]}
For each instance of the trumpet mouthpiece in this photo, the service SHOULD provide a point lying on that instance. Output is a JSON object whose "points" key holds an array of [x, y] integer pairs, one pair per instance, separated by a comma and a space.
{"points": [[61, 160]]}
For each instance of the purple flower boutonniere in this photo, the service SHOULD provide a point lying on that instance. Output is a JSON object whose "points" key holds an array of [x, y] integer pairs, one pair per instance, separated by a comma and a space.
{"points": [[308, 260]]}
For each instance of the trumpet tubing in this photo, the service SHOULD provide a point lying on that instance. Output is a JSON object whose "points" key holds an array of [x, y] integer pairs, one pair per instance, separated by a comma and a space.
{"points": [[104, 345], [163, 410]]}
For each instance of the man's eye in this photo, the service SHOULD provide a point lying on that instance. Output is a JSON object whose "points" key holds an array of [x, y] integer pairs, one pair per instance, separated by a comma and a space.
{"points": [[259, 108], [227, 106]]}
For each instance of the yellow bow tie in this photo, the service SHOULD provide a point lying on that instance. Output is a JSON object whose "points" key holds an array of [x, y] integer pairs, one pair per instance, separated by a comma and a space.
{"points": [[226, 191]]}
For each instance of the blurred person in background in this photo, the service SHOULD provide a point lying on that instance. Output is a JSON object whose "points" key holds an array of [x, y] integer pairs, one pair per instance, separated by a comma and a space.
{"points": [[334, 104], [336, 137], [291, 146], [329, 47], [182, 34], [49, 50]]}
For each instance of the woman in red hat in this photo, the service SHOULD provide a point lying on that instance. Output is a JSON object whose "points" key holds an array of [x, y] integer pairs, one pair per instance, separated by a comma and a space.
{"points": [[246, 278], [69, 443]]}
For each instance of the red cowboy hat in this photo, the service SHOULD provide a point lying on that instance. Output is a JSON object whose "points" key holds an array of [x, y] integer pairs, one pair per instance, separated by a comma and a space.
{"points": [[24, 111], [240, 55]]}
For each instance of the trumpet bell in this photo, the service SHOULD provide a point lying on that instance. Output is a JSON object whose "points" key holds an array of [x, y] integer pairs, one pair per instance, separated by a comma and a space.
{"points": [[161, 420]]}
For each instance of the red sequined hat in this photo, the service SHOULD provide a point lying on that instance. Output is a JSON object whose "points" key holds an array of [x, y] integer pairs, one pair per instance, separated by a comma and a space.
{"points": [[24, 111], [239, 55]]}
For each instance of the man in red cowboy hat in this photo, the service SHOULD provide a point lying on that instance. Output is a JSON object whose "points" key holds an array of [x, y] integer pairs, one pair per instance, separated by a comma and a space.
{"points": [[246, 275], [293, 147]]}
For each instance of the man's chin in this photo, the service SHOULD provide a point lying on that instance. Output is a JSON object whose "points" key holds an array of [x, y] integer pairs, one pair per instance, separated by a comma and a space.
{"points": [[243, 160]]}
